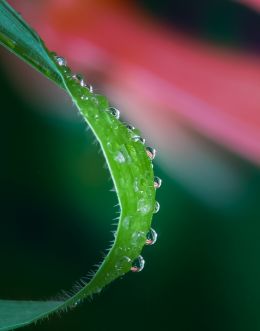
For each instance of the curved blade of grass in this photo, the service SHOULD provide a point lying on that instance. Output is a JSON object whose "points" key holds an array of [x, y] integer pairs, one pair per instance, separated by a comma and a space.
{"points": [[24, 42], [127, 160]]}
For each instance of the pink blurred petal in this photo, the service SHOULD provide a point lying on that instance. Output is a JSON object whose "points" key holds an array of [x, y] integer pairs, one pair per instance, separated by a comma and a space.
{"points": [[255, 4], [213, 90]]}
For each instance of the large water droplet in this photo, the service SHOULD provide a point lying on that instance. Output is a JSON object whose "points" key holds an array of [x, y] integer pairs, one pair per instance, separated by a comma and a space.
{"points": [[138, 264], [156, 207], [113, 111], [138, 139], [151, 152], [157, 182], [151, 237], [61, 61]]}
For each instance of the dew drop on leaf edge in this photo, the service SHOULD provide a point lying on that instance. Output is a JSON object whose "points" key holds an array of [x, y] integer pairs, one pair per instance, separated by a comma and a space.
{"points": [[138, 139], [61, 61], [151, 152], [157, 182], [151, 237], [114, 111], [130, 127], [156, 207], [138, 264]]}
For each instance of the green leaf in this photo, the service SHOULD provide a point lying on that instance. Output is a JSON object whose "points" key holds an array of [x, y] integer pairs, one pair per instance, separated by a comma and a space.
{"points": [[23, 41], [15, 314], [128, 160]]}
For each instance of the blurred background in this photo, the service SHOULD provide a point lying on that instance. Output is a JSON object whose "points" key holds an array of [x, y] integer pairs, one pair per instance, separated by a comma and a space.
{"points": [[187, 73]]}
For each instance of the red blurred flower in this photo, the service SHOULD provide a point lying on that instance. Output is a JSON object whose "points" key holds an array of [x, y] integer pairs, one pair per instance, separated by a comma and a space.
{"points": [[169, 83]]}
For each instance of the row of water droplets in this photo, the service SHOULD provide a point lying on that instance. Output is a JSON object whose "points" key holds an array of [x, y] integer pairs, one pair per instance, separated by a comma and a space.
{"points": [[151, 237]]}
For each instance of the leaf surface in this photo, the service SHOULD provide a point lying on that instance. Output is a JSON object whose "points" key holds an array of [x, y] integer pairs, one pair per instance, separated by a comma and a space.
{"points": [[128, 160]]}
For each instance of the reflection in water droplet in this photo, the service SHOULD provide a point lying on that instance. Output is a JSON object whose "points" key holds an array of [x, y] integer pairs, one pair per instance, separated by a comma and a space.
{"points": [[138, 139], [151, 237], [143, 206], [61, 61], [157, 182], [156, 207], [138, 264], [113, 111], [151, 152]]}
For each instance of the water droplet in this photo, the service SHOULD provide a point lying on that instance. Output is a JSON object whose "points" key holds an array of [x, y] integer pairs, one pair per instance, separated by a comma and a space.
{"points": [[157, 182], [151, 152], [67, 72], [61, 61], [123, 263], [130, 127], [94, 100], [143, 206], [84, 97], [120, 157], [113, 111], [151, 237], [80, 79], [138, 238], [126, 222], [127, 259], [98, 289], [138, 264], [136, 185], [75, 304], [110, 147], [156, 207], [138, 139]]}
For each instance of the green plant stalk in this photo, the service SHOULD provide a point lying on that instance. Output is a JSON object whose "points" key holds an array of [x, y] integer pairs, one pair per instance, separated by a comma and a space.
{"points": [[126, 157]]}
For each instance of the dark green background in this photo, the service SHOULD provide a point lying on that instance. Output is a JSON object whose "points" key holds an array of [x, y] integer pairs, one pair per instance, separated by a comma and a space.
{"points": [[56, 214]]}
